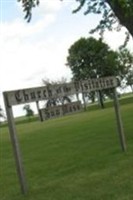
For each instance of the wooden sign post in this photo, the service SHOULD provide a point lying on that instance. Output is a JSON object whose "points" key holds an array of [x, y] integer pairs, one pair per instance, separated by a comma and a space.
{"points": [[22, 96], [15, 145], [119, 121]]}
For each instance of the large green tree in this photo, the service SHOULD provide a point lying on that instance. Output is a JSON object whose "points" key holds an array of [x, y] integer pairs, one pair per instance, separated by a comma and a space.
{"points": [[91, 58], [114, 12]]}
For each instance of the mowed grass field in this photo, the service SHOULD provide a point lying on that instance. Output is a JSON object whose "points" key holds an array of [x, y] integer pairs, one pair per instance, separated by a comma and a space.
{"points": [[76, 157]]}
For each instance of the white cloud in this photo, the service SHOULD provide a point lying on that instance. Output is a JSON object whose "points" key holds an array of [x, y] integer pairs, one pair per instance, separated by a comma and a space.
{"points": [[45, 7], [48, 7], [43, 16], [115, 39], [20, 29], [25, 63], [30, 61], [22, 59]]}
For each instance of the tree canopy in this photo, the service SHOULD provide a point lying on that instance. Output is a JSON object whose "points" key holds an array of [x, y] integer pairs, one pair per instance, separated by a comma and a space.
{"points": [[115, 13], [91, 58], [129, 79], [126, 59]]}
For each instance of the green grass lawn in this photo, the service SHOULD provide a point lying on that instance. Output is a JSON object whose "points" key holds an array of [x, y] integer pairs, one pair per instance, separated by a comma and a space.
{"points": [[77, 157]]}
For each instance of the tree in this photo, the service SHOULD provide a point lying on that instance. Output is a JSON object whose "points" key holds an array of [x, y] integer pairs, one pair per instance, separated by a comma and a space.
{"points": [[115, 13], [29, 111], [126, 62], [91, 58]]}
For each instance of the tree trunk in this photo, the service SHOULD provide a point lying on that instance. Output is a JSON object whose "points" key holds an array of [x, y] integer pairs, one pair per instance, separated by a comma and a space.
{"points": [[84, 102], [93, 97], [101, 99]]}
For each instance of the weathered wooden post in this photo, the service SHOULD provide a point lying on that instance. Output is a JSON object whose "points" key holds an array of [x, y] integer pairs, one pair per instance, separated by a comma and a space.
{"points": [[119, 121], [15, 145]]}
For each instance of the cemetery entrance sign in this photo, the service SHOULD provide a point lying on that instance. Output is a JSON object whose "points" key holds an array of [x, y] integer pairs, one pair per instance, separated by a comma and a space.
{"points": [[37, 94], [52, 91]]}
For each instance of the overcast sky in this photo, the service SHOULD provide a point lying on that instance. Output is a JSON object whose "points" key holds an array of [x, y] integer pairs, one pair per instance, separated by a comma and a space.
{"points": [[30, 52]]}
